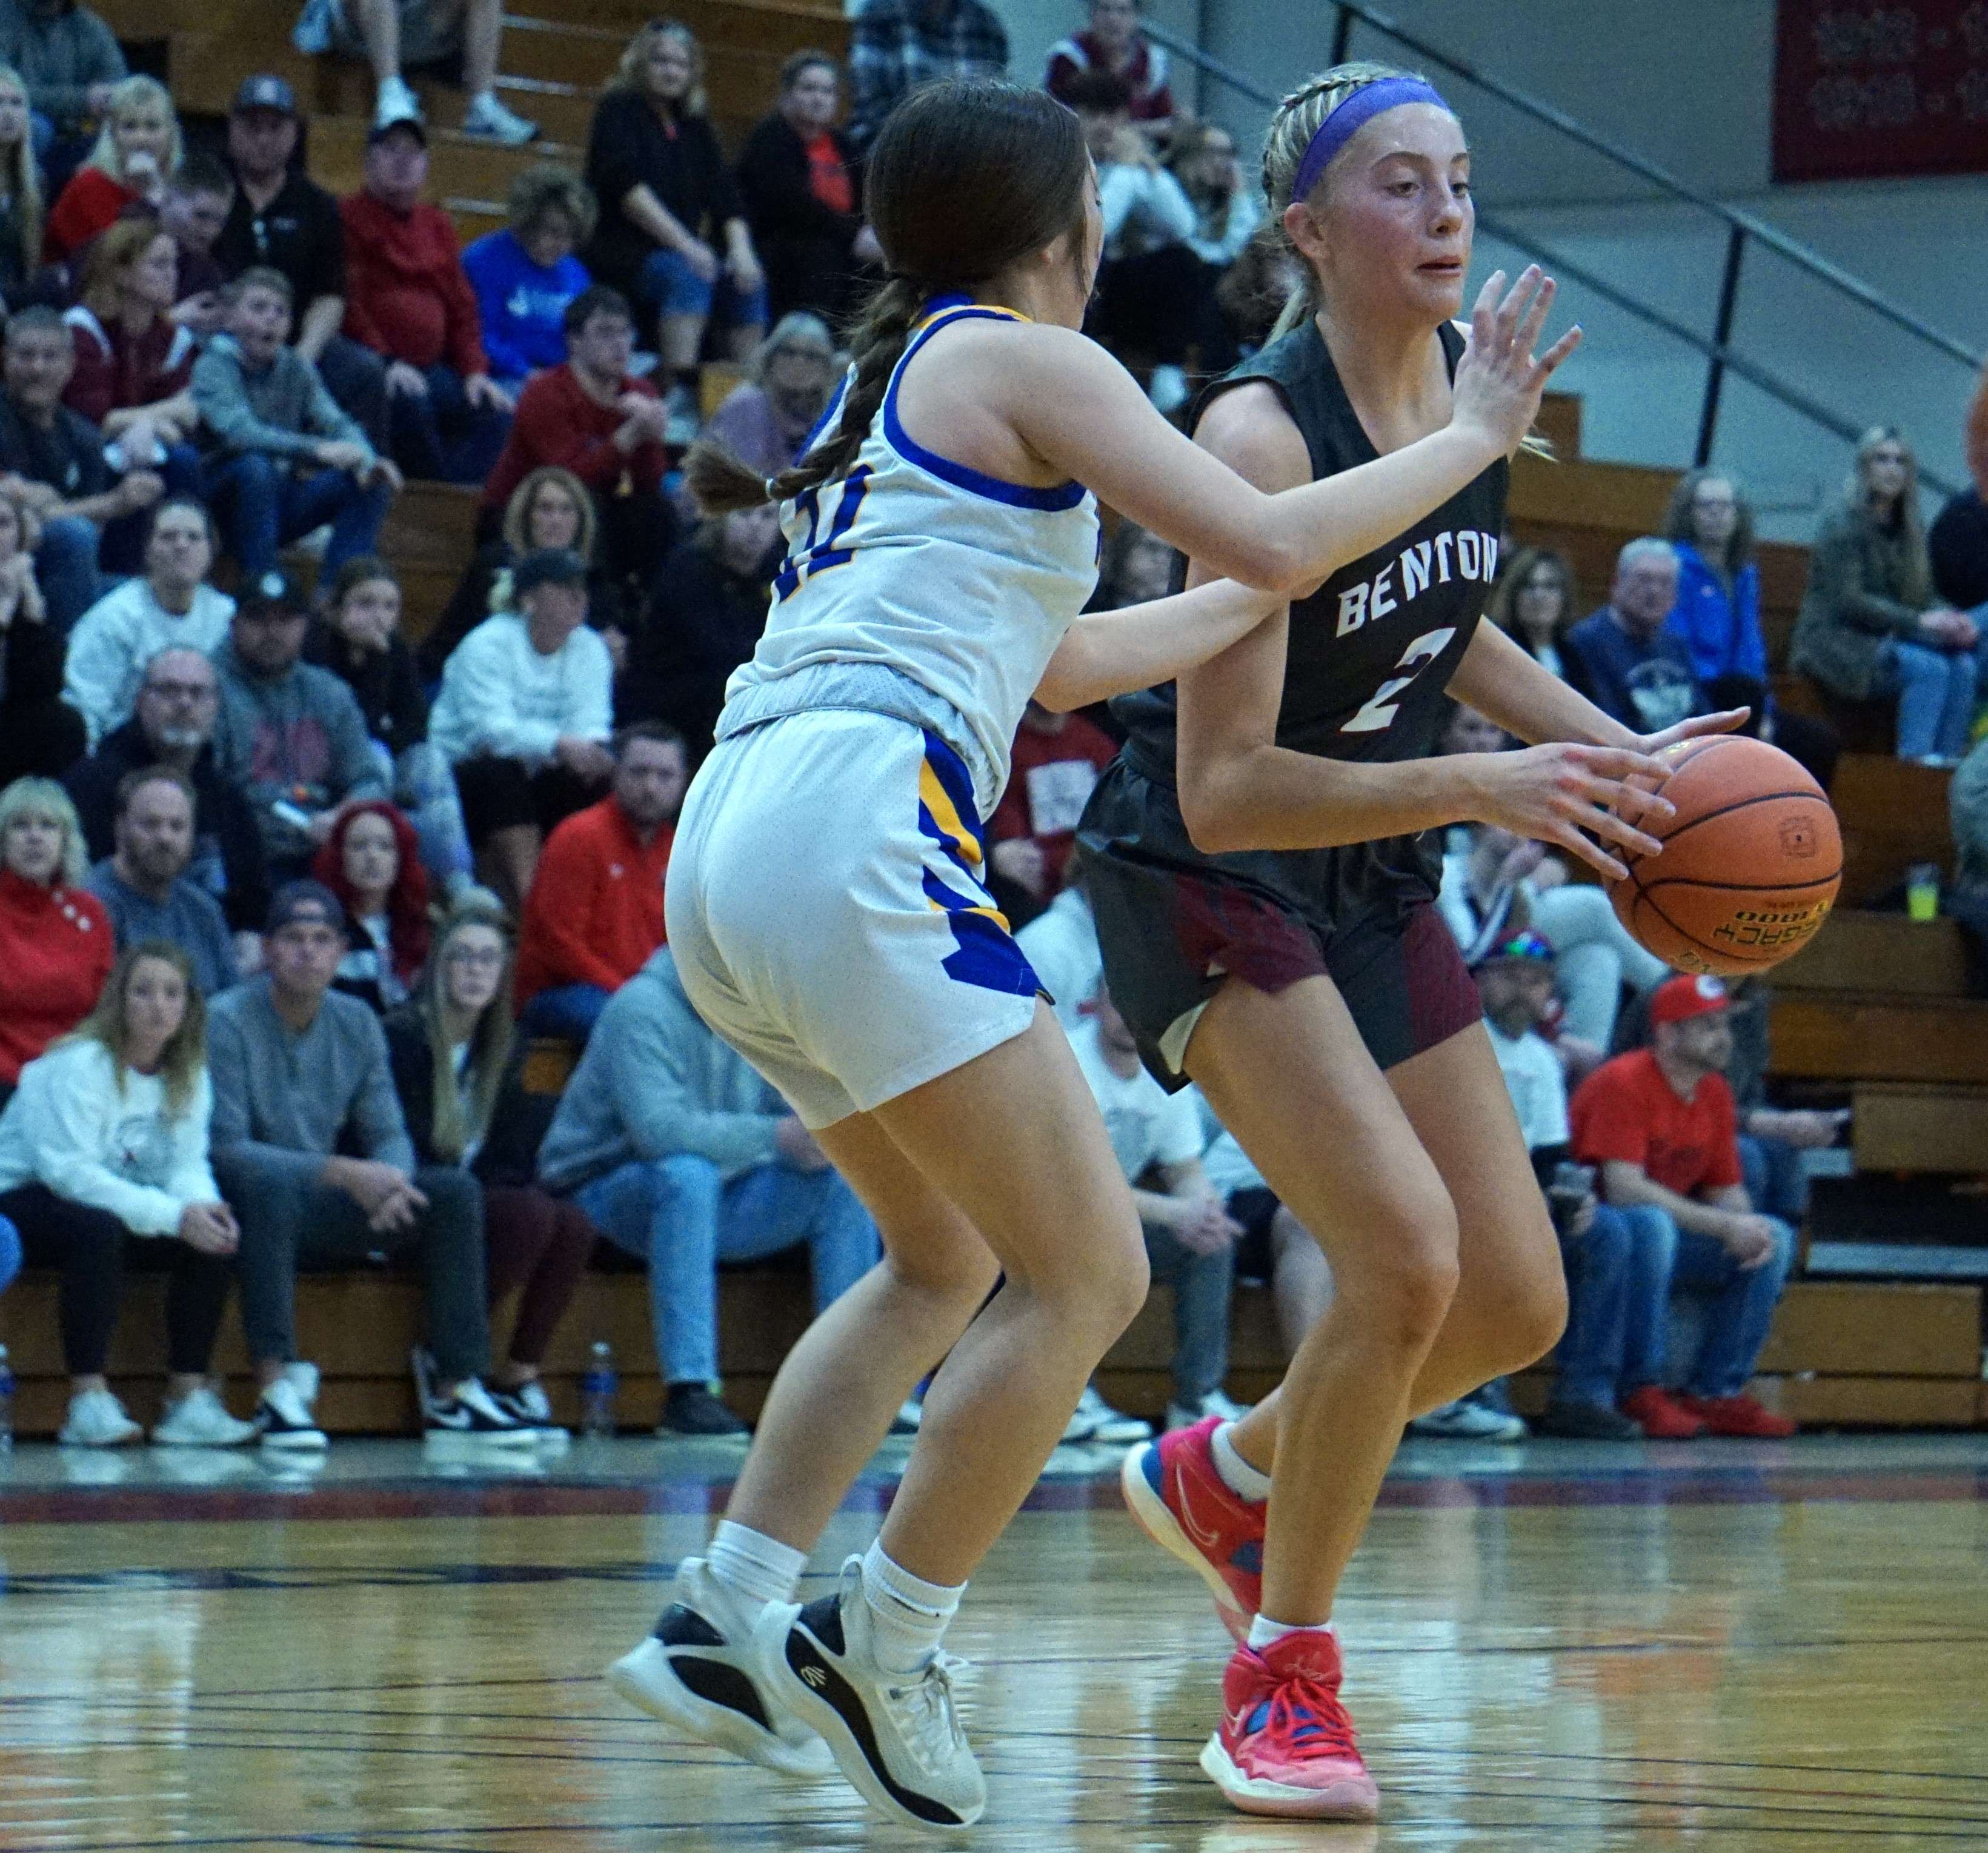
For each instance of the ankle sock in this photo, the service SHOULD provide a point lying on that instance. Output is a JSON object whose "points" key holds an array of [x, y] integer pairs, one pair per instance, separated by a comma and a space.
{"points": [[752, 1565], [1264, 1632], [908, 1615], [1245, 1481]]}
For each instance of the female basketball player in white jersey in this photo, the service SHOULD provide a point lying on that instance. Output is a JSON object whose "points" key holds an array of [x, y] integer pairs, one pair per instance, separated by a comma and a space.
{"points": [[829, 918], [1265, 909]]}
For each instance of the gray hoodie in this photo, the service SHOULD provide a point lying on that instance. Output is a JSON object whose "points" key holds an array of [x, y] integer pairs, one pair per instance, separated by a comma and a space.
{"points": [[297, 737], [284, 409], [655, 1082], [60, 52]]}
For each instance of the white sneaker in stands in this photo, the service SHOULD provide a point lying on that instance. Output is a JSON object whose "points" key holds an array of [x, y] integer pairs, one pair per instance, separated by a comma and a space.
{"points": [[1095, 1420], [469, 1414], [395, 101], [284, 1420], [97, 1419], [199, 1420], [489, 120]]}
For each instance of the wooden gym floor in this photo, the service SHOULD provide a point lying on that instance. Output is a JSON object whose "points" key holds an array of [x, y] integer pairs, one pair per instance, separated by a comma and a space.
{"points": [[1735, 1648]]}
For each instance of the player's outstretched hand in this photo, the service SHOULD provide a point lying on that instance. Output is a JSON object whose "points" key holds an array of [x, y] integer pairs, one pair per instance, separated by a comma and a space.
{"points": [[1499, 380], [1554, 794], [1696, 728]]}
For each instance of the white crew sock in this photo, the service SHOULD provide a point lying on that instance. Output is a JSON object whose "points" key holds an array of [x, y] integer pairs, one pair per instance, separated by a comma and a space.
{"points": [[1264, 1632], [908, 1615], [753, 1566], [1245, 1481]]}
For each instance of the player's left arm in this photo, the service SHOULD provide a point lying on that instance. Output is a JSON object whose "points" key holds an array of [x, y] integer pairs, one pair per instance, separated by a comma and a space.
{"points": [[1505, 685], [1108, 653]]}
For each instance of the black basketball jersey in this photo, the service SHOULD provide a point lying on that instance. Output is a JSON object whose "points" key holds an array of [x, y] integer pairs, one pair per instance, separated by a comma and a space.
{"points": [[1372, 652]]}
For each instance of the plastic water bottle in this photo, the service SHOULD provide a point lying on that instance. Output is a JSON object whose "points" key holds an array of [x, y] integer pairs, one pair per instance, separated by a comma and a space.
{"points": [[597, 1392], [6, 1401]]}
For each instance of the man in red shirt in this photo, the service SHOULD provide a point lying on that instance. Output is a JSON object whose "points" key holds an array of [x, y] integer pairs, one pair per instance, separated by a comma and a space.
{"points": [[593, 417], [1057, 759], [406, 299], [595, 911], [1660, 1124]]}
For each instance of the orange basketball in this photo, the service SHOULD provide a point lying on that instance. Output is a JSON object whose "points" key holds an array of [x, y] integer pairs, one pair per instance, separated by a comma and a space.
{"points": [[1751, 863]]}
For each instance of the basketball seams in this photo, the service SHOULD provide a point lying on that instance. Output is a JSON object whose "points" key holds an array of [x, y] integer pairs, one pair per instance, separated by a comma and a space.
{"points": [[1691, 939], [1726, 810], [1748, 887]]}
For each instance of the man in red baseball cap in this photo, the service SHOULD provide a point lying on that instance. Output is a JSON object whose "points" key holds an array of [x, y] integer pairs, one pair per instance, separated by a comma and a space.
{"points": [[1660, 1124]]}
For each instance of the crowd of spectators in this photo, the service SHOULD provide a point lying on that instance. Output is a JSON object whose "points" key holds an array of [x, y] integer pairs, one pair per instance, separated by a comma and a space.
{"points": [[283, 893]]}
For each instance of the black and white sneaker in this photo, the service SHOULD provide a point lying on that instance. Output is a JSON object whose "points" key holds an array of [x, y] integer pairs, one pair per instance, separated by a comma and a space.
{"points": [[528, 1405], [896, 1736], [700, 1672], [421, 1360], [470, 1415], [283, 1419]]}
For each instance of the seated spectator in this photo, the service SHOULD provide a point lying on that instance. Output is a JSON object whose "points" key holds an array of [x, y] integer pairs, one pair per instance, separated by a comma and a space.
{"points": [[1060, 945], [595, 912], [70, 61], [395, 36], [1717, 618], [525, 275], [409, 301], [54, 937], [1057, 758], [524, 716], [1495, 884], [372, 862], [1629, 665], [287, 459], [1112, 43], [769, 414], [138, 150], [172, 724], [1228, 210], [171, 608], [1598, 1244], [1533, 603], [1259, 289], [1957, 550], [290, 735], [679, 1153], [550, 508], [1138, 566], [802, 188], [20, 190], [457, 1061], [667, 206], [143, 883], [55, 464], [1154, 297], [134, 361], [1871, 628], [323, 1176], [360, 642], [282, 220], [595, 420], [898, 46], [705, 619], [104, 1165], [1661, 1125], [41, 735], [1190, 1237], [197, 200]]}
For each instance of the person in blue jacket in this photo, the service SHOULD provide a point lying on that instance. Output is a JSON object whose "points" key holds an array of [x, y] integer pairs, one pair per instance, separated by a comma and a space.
{"points": [[1716, 619], [525, 276]]}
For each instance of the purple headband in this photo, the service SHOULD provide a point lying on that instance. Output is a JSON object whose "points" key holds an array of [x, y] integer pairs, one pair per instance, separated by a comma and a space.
{"points": [[1347, 120]]}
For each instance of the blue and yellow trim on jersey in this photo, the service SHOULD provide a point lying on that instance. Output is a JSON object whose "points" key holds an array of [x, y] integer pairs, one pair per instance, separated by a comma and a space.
{"points": [[985, 953]]}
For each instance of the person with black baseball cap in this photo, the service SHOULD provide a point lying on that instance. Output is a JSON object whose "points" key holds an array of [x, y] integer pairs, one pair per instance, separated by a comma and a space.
{"points": [[300, 1078]]}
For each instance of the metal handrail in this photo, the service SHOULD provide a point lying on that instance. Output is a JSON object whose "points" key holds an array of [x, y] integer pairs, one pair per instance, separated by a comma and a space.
{"points": [[1719, 352]]}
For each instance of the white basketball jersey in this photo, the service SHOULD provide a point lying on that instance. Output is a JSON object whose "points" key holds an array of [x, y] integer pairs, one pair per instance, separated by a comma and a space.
{"points": [[912, 562]]}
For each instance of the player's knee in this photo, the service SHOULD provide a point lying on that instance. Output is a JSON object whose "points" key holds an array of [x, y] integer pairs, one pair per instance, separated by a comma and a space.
{"points": [[951, 1271], [1111, 1285], [1410, 1276], [1536, 1316]]}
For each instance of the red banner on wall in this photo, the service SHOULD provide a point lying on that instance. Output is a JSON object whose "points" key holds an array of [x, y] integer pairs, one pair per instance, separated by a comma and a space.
{"points": [[1867, 89]]}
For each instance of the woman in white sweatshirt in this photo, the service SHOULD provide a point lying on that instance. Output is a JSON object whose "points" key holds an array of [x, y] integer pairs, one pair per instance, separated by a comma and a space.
{"points": [[104, 1164]]}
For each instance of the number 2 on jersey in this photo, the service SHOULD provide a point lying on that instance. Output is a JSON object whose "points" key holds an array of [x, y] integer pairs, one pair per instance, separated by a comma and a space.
{"points": [[1381, 706], [819, 557]]}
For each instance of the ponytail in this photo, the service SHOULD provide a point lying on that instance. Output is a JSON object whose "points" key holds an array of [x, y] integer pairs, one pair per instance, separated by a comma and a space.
{"points": [[722, 482]]}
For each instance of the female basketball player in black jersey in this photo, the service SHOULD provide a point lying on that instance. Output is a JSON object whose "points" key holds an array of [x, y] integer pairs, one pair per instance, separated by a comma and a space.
{"points": [[1264, 907]]}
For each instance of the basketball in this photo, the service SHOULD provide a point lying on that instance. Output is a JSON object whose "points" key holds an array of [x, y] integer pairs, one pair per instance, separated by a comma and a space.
{"points": [[1750, 866]]}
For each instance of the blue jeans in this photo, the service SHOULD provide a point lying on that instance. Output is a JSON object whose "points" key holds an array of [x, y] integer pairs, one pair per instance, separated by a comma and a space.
{"points": [[423, 783], [567, 1010], [1599, 1268], [679, 1216], [1776, 1179], [1936, 695], [1202, 1284], [670, 287], [65, 566], [1665, 1258], [10, 1253], [262, 506], [439, 437]]}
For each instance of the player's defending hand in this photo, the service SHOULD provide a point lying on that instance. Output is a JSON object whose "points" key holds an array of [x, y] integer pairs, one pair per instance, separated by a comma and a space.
{"points": [[1555, 793], [1499, 380]]}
